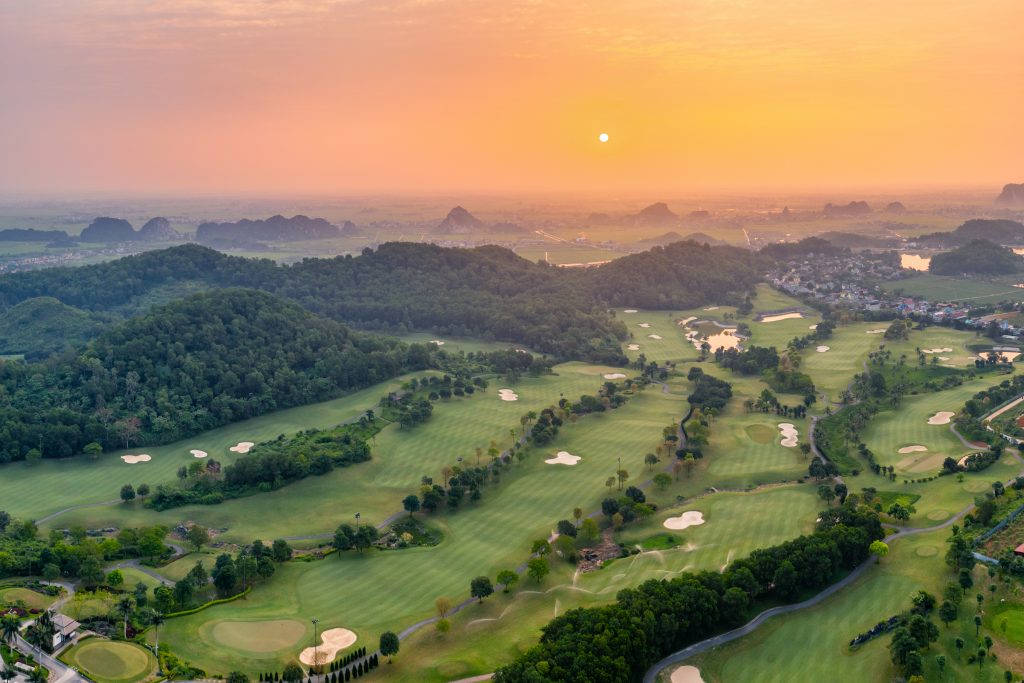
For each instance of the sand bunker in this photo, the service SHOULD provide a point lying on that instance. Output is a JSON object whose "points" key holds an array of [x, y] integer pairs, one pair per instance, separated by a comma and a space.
{"points": [[813, 327], [654, 336], [962, 462], [912, 449], [941, 418], [878, 331], [437, 341], [687, 321], [335, 640], [614, 375], [686, 674], [943, 358], [630, 310], [687, 519], [781, 316], [823, 349], [196, 453], [132, 459], [563, 458], [944, 349], [633, 347], [711, 308], [789, 434], [644, 325], [242, 447], [507, 395]]}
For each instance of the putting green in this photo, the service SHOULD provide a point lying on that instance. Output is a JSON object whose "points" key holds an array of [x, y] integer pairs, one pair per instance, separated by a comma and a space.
{"points": [[111, 662], [926, 551], [759, 433], [259, 636], [1014, 617]]}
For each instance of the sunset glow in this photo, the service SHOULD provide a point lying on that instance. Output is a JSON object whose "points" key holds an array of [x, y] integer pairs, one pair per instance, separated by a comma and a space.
{"points": [[427, 96]]}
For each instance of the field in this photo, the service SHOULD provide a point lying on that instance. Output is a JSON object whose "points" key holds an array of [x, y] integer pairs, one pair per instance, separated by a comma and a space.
{"points": [[107, 661], [942, 288], [560, 253]]}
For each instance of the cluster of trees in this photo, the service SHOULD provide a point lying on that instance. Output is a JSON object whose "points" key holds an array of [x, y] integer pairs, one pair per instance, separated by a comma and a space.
{"points": [[358, 537], [619, 642], [751, 361], [969, 423], [229, 575], [768, 402], [77, 555], [187, 367], [974, 462], [338, 671], [270, 465], [708, 391], [976, 257]]}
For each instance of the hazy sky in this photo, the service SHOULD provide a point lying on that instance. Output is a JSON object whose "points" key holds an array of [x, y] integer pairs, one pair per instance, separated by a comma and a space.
{"points": [[349, 96]]}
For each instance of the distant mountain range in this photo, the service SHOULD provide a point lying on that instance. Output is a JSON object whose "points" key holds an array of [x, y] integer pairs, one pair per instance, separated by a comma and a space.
{"points": [[673, 236], [1012, 195], [459, 221], [274, 229], [999, 231], [107, 229], [851, 209]]}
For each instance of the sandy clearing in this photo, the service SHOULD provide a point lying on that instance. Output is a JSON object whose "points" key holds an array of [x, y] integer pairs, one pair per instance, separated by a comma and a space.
{"points": [[789, 434], [563, 458], [242, 447], [912, 449], [781, 316], [437, 341], [654, 336], [943, 358], [1003, 356], [196, 453], [941, 418], [711, 308], [334, 640], [813, 327], [879, 331], [507, 395], [963, 461], [613, 375], [132, 459], [630, 310], [633, 347], [822, 349], [687, 519], [644, 325], [687, 674], [687, 321]]}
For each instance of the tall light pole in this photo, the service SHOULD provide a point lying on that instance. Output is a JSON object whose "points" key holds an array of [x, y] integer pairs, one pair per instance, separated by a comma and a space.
{"points": [[316, 641]]}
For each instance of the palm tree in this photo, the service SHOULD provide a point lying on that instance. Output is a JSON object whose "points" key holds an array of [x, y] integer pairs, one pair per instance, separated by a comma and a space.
{"points": [[156, 620], [7, 672], [9, 628], [38, 675], [125, 606]]}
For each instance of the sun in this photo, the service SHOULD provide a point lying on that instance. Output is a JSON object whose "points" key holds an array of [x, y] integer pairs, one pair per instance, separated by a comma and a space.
{"points": [[603, 137]]}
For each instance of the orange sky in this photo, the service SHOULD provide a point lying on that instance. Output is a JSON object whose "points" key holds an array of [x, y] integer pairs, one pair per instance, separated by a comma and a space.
{"points": [[421, 96]]}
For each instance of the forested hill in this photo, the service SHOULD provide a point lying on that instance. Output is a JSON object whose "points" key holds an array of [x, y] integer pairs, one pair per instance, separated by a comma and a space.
{"points": [[199, 363], [488, 291]]}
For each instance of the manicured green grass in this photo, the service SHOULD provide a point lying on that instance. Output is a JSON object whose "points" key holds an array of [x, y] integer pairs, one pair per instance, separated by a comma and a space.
{"points": [[107, 661], [32, 490], [1012, 613], [812, 645], [133, 577], [30, 598], [88, 605], [456, 344], [558, 253], [941, 288]]}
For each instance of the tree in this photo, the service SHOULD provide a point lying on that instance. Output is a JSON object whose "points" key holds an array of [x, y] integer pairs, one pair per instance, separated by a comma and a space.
{"points": [[662, 480], [142, 490], [480, 588], [10, 624], [389, 645], [292, 673], [508, 579], [198, 536], [125, 606], [947, 613], [127, 493], [826, 493], [589, 532], [237, 677], [281, 551], [879, 549], [92, 449], [443, 605], [609, 482], [959, 642], [965, 578], [899, 512], [537, 568], [622, 476], [650, 460], [940, 662], [841, 492], [977, 624], [115, 578], [411, 503], [443, 626]]}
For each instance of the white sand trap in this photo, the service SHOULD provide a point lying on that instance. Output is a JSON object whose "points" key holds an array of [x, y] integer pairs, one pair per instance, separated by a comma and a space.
{"points": [[813, 327], [614, 375], [242, 447], [943, 358], [878, 331], [687, 321], [655, 336], [823, 349], [563, 458], [687, 519], [644, 325], [781, 316], [711, 308], [789, 434], [507, 395], [198, 453], [912, 449], [962, 462], [132, 459], [437, 341], [633, 347], [335, 640], [941, 418], [630, 310], [687, 674]]}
